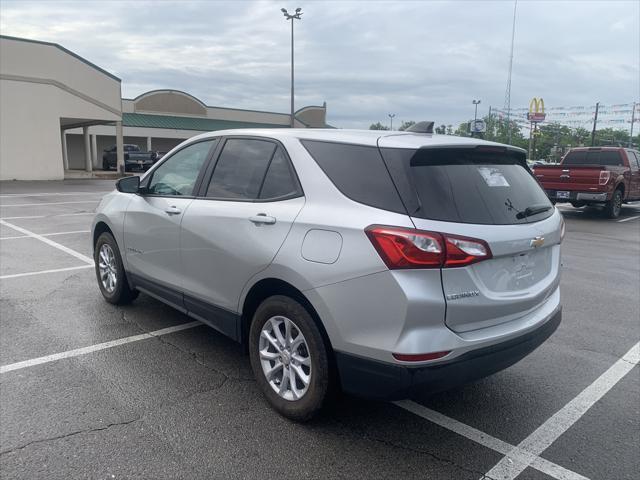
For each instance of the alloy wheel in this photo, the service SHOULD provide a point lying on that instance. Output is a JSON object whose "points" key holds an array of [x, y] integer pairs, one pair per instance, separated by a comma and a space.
{"points": [[108, 268], [285, 358]]}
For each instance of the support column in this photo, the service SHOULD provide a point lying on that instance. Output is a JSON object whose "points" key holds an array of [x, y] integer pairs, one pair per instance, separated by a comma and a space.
{"points": [[88, 166], [94, 150], [148, 144], [119, 148], [65, 154]]}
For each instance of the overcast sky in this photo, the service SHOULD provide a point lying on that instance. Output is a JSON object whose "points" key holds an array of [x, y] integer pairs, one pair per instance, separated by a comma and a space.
{"points": [[421, 60]]}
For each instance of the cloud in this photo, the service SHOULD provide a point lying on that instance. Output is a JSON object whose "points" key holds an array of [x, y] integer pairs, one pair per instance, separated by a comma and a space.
{"points": [[419, 60]]}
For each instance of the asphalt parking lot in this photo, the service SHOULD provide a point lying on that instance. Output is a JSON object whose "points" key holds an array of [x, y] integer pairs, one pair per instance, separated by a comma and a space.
{"points": [[154, 395]]}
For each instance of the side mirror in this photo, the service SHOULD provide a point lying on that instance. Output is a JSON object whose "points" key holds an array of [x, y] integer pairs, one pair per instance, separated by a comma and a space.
{"points": [[129, 184]]}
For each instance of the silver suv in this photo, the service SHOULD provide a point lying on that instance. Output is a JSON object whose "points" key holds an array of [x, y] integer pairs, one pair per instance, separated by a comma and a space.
{"points": [[381, 263]]}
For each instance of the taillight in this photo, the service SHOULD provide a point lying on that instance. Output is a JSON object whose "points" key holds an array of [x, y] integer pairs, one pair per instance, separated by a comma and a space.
{"points": [[605, 175], [402, 248]]}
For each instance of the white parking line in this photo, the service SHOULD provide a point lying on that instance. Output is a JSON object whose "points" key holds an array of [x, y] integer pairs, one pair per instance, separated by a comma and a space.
{"points": [[29, 233], [40, 272], [48, 216], [627, 219], [45, 194], [46, 234], [50, 203], [486, 440], [94, 348], [515, 463]]}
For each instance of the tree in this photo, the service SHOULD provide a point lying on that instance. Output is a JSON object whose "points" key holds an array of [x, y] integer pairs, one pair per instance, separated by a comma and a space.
{"points": [[498, 131], [406, 125], [462, 130], [442, 129], [378, 126]]}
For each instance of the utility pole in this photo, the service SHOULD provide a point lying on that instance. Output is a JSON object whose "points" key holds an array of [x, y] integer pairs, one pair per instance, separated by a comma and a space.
{"points": [[295, 16], [595, 121], [391, 115], [633, 119]]}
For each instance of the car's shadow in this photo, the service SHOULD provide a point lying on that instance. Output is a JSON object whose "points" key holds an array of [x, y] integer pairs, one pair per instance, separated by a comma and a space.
{"points": [[597, 213]]}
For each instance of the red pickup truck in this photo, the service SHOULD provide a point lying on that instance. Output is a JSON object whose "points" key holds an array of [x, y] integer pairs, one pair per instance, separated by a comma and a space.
{"points": [[608, 176]]}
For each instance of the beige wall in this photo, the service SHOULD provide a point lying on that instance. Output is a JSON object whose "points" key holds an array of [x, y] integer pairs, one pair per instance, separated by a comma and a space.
{"points": [[171, 102], [40, 86], [47, 62]]}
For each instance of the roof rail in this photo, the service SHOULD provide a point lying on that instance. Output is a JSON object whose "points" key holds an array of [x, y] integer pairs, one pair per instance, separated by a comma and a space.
{"points": [[421, 127]]}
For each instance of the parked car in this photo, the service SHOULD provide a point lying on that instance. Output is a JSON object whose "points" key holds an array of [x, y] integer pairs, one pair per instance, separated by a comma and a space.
{"points": [[381, 263], [604, 176], [134, 158]]}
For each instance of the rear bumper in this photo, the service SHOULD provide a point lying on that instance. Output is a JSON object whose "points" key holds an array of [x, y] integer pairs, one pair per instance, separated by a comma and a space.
{"points": [[575, 196], [384, 381]]}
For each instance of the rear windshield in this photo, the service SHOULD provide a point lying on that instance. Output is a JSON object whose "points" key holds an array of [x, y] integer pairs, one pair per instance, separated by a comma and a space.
{"points": [[467, 186], [593, 157]]}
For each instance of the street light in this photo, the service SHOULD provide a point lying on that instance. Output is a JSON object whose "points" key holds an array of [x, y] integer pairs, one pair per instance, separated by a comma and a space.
{"points": [[475, 116], [391, 115], [295, 16]]}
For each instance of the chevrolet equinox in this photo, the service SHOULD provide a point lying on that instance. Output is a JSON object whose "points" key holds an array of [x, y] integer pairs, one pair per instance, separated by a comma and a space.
{"points": [[379, 263]]}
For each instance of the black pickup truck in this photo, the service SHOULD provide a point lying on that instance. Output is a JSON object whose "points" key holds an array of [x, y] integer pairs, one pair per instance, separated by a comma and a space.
{"points": [[134, 159]]}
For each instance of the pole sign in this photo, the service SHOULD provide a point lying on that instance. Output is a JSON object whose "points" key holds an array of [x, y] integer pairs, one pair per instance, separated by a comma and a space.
{"points": [[536, 110], [477, 126]]}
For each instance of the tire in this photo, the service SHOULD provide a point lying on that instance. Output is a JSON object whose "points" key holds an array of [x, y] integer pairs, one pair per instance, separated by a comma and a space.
{"points": [[303, 401], [578, 204], [113, 284], [612, 207]]}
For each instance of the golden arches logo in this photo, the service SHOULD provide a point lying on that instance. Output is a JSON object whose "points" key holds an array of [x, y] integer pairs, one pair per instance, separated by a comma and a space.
{"points": [[536, 105], [536, 110]]}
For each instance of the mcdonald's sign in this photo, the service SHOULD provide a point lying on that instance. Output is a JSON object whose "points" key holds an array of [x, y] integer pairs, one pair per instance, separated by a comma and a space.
{"points": [[536, 110]]}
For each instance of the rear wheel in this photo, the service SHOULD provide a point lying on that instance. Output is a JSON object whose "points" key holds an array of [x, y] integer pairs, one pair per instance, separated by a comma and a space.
{"points": [[289, 358], [112, 278], [612, 207], [578, 204]]}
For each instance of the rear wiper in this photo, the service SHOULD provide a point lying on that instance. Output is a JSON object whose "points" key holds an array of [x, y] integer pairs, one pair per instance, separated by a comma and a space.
{"points": [[533, 210]]}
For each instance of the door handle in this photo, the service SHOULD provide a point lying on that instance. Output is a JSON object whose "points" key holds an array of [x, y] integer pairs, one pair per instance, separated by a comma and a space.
{"points": [[262, 218], [173, 210]]}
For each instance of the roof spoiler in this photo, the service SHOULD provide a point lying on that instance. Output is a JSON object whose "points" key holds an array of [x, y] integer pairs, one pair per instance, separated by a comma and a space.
{"points": [[421, 127]]}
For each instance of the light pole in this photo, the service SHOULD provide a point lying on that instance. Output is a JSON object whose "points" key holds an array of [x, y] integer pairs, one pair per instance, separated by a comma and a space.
{"points": [[475, 116], [295, 16], [391, 115]]}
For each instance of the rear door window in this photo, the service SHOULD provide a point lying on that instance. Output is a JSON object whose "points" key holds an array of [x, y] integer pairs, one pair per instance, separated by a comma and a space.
{"points": [[634, 161], [466, 185], [240, 169], [280, 181]]}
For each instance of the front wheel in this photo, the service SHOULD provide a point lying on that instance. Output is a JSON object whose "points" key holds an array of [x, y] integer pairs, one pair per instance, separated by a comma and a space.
{"points": [[110, 273], [614, 206], [289, 358]]}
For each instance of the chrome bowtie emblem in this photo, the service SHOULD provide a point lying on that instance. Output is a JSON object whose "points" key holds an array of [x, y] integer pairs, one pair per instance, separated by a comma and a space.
{"points": [[537, 242]]}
